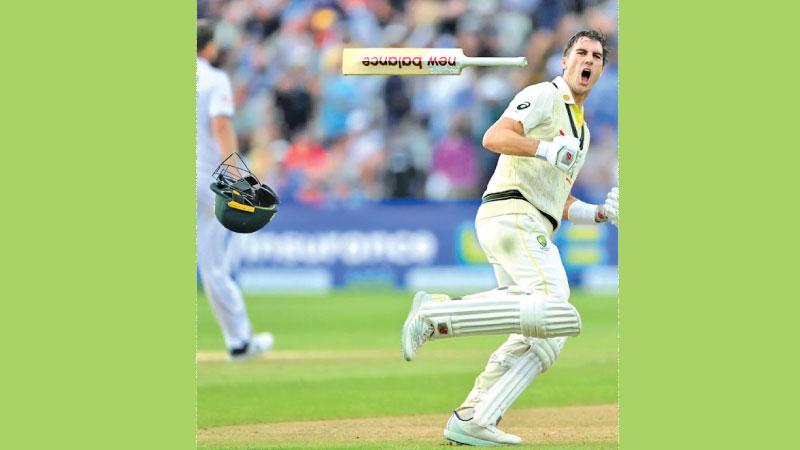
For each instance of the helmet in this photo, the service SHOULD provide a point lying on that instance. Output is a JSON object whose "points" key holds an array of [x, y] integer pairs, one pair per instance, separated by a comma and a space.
{"points": [[243, 204]]}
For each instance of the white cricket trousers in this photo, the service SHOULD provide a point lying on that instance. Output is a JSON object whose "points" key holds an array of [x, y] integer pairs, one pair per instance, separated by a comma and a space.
{"points": [[520, 249], [223, 293]]}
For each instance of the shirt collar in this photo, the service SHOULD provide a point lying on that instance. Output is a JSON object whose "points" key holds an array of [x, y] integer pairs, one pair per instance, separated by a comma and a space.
{"points": [[564, 90]]}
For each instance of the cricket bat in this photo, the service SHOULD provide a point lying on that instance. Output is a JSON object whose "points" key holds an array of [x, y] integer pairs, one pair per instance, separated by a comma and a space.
{"points": [[416, 61]]}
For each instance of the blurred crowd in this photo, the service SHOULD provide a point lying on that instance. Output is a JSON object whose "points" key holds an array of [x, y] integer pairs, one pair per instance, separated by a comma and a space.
{"points": [[322, 138]]}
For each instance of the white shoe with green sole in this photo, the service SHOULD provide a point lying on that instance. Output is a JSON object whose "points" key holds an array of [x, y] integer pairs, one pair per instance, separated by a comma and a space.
{"points": [[469, 433]]}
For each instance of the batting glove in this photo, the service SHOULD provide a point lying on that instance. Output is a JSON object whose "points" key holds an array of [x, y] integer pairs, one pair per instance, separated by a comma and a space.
{"points": [[562, 152], [611, 206]]}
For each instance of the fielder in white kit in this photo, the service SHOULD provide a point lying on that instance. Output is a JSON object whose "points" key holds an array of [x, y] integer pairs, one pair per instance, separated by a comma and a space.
{"points": [[216, 140], [543, 141]]}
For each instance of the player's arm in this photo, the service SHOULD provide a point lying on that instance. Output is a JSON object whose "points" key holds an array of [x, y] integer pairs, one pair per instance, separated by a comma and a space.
{"points": [[531, 107], [506, 137], [221, 111], [225, 135], [580, 212], [577, 211]]}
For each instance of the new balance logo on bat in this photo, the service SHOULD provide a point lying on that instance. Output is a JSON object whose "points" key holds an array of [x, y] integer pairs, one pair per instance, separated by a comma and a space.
{"points": [[399, 61], [406, 61]]}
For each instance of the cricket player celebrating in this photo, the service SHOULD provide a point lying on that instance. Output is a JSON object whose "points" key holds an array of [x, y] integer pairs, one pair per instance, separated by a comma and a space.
{"points": [[216, 140], [543, 141]]}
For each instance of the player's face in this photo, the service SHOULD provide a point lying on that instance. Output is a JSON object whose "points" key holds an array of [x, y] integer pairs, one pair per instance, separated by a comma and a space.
{"points": [[212, 51], [583, 65]]}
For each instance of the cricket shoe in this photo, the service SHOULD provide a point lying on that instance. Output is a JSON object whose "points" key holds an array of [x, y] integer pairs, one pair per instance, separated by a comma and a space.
{"points": [[416, 330], [258, 345], [469, 433]]}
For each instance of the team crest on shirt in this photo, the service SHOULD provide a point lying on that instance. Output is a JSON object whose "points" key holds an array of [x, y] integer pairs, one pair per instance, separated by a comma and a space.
{"points": [[542, 240]]}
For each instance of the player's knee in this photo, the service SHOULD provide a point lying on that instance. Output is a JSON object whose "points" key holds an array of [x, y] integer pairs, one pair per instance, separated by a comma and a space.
{"points": [[546, 351], [546, 316]]}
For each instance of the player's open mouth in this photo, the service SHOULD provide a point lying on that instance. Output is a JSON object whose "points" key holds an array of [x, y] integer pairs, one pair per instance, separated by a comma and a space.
{"points": [[585, 74]]}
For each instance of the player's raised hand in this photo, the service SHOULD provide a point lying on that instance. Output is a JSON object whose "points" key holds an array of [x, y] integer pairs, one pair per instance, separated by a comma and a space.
{"points": [[611, 206], [562, 152]]}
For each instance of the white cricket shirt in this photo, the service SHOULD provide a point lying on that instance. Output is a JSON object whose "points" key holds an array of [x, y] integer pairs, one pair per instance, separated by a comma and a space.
{"points": [[542, 110], [214, 98]]}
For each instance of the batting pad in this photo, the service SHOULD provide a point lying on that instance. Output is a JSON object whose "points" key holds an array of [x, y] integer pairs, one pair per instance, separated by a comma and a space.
{"points": [[502, 311], [496, 401]]}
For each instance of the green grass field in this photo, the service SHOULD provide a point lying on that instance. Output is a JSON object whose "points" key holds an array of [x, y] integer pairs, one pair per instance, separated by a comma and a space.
{"points": [[338, 357]]}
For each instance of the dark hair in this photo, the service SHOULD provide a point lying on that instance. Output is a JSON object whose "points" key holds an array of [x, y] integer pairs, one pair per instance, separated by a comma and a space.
{"points": [[205, 34], [589, 34]]}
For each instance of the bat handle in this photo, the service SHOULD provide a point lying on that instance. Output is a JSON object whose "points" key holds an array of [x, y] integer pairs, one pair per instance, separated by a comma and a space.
{"points": [[494, 62]]}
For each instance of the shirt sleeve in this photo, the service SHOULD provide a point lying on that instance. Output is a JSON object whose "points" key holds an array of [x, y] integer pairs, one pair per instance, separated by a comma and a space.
{"points": [[531, 106], [221, 99]]}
